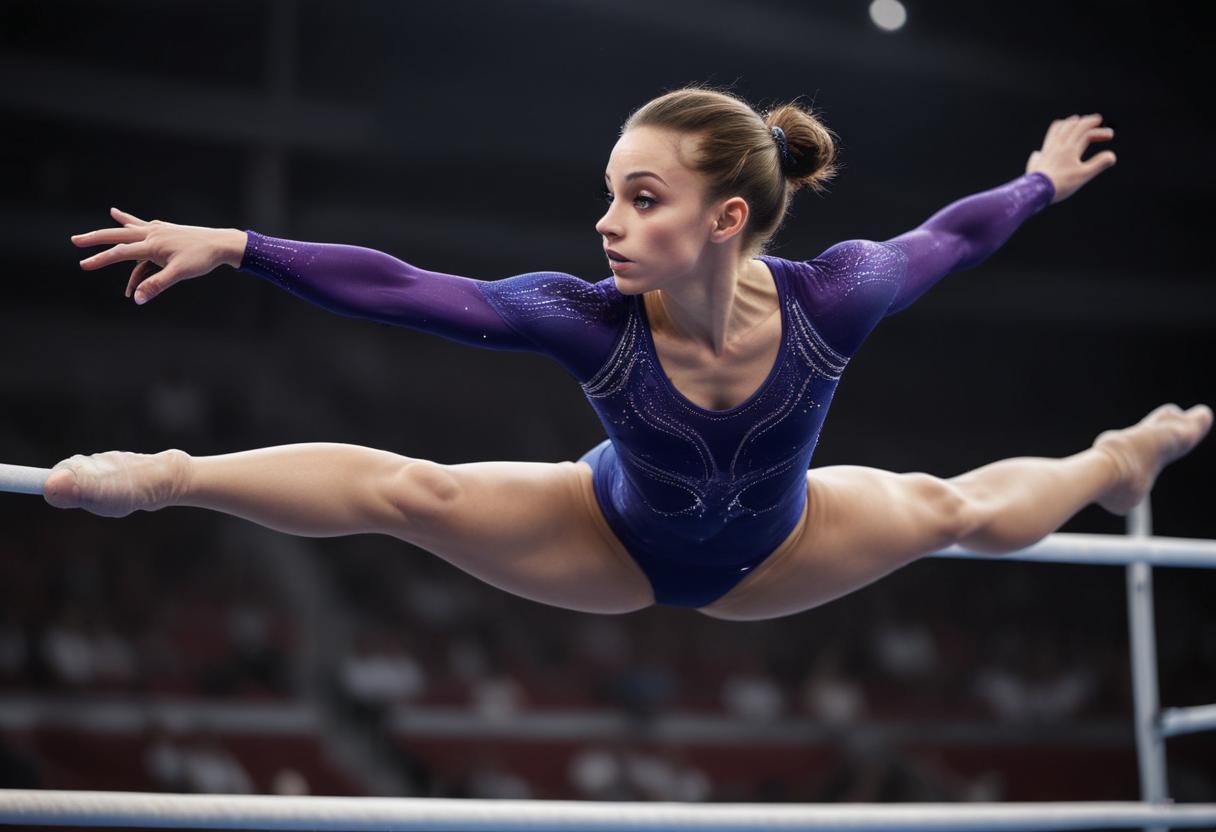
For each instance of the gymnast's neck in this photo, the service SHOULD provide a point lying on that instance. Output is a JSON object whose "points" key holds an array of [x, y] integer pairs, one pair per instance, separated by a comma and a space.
{"points": [[721, 299]]}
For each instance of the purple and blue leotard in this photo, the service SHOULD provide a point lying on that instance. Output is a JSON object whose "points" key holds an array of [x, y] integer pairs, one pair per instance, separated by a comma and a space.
{"points": [[698, 497]]}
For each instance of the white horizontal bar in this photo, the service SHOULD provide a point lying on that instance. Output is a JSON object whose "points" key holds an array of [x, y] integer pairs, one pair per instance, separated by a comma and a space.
{"points": [[1176, 721], [1107, 549], [63, 808], [22, 480]]}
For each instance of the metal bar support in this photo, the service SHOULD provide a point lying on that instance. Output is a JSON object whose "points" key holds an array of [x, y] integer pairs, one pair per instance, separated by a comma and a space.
{"points": [[1150, 746], [1175, 721]]}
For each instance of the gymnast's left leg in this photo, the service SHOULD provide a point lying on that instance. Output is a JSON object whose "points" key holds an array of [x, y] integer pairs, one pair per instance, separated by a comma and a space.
{"points": [[530, 528], [864, 523]]}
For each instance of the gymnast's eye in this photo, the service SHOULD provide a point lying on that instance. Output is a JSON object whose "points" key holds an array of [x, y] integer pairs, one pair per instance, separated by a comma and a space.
{"points": [[651, 201]]}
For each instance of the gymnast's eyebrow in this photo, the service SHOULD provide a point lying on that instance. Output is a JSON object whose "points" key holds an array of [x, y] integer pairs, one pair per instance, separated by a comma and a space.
{"points": [[638, 173]]}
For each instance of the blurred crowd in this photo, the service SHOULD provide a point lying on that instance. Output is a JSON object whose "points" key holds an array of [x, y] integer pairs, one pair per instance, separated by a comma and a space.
{"points": [[174, 615]]}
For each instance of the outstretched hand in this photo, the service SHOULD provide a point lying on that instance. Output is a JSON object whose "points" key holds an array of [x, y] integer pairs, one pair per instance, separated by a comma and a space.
{"points": [[1064, 145], [179, 252]]}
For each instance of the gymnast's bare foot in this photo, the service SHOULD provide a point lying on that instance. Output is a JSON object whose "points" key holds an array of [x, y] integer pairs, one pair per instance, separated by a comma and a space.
{"points": [[1141, 451], [116, 483]]}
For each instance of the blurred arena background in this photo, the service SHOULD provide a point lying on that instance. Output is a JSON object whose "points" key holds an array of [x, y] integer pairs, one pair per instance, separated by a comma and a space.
{"points": [[191, 652]]}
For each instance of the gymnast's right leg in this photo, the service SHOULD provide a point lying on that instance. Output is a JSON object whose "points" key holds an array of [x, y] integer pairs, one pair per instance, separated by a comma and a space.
{"points": [[530, 528], [864, 523]]}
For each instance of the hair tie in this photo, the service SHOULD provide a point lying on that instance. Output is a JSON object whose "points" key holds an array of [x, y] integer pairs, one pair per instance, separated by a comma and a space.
{"points": [[784, 147]]}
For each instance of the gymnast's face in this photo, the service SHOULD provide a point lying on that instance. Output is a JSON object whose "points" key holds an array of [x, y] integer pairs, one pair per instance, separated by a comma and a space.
{"points": [[657, 216]]}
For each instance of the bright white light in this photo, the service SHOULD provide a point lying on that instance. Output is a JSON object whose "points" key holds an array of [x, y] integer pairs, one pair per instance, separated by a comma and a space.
{"points": [[888, 15]]}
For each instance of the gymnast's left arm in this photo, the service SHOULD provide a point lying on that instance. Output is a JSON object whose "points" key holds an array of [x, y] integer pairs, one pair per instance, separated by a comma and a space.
{"points": [[966, 232], [555, 314], [552, 313]]}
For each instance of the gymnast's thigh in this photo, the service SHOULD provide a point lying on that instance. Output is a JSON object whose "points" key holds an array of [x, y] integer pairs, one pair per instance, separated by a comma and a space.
{"points": [[535, 530], [860, 524]]}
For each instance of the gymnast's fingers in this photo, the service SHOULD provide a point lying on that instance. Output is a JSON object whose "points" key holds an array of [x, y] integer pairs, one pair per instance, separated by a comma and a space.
{"points": [[157, 283], [127, 219], [1082, 127], [1054, 130], [1061, 131], [1099, 162], [120, 252], [138, 275], [109, 235], [1097, 134]]}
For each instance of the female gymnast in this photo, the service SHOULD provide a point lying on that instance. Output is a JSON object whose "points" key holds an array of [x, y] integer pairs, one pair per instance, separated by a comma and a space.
{"points": [[710, 364]]}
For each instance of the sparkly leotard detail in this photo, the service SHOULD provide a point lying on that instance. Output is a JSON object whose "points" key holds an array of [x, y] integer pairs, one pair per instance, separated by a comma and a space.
{"points": [[698, 497]]}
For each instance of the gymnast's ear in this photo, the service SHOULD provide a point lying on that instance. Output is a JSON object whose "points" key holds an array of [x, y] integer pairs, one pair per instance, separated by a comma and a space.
{"points": [[729, 219]]}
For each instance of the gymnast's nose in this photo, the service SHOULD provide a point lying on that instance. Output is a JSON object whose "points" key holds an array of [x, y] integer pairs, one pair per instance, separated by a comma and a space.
{"points": [[608, 227]]}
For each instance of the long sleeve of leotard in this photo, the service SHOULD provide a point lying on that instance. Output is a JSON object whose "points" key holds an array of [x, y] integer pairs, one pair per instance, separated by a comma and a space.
{"points": [[854, 284], [965, 233], [555, 314]]}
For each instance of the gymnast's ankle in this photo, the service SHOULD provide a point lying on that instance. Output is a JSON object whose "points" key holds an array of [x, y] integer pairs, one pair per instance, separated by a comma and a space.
{"points": [[180, 470]]}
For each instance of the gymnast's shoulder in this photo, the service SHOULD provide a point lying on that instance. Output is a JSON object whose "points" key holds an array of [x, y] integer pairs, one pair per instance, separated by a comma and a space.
{"points": [[555, 294], [844, 258]]}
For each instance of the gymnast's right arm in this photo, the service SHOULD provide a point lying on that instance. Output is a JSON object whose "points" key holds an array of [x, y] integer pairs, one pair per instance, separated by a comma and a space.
{"points": [[552, 313], [853, 284]]}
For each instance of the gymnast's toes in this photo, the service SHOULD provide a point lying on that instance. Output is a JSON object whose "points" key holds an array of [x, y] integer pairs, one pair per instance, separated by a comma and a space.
{"points": [[1201, 416], [1186, 428], [1141, 451], [100, 483], [61, 489]]}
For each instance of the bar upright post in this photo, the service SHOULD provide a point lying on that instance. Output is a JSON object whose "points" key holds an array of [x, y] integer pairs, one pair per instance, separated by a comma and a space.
{"points": [[1150, 746]]}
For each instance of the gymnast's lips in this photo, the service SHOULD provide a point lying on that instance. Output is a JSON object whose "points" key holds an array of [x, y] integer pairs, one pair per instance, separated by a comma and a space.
{"points": [[616, 256]]}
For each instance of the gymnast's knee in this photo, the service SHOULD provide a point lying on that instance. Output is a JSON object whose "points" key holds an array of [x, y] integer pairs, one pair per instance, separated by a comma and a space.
{"points": [[423, 494], [975, 522], [952, 515]]}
